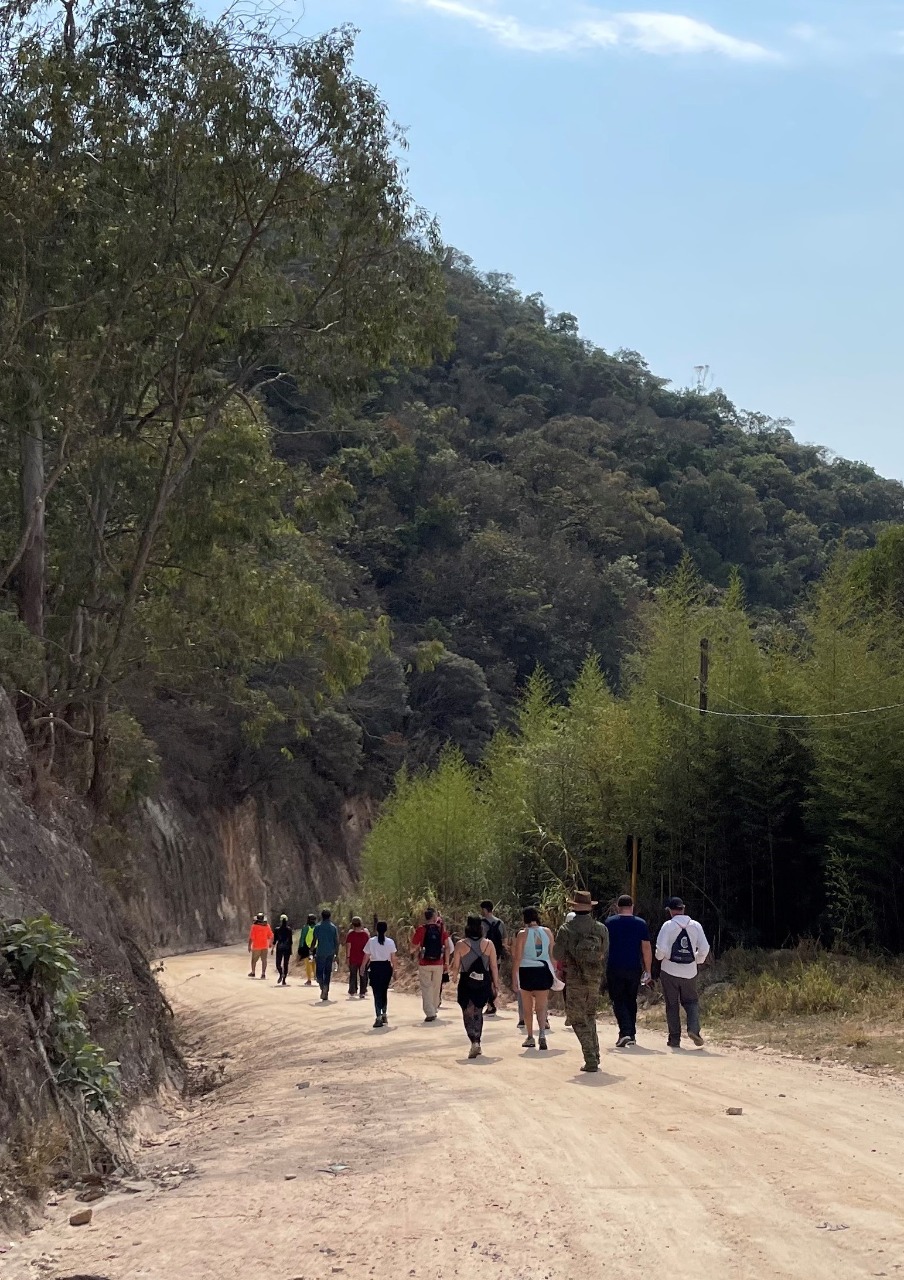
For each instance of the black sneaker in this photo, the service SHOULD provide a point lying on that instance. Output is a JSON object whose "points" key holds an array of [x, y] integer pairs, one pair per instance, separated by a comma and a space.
{"points": [[590, 1067], [630, 1042], [622, 1041], [520, 1026], [673, 1044], [697, 1039], [543, 1044], [491, 1011], [433, 1019]]}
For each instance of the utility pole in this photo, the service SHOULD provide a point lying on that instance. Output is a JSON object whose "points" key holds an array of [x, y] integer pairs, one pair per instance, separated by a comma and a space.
{"points": [[704, 675]]}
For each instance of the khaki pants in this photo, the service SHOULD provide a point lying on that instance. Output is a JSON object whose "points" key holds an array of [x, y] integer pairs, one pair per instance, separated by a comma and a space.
{"points": [[262, 956], [431, 979], [309, 969]]}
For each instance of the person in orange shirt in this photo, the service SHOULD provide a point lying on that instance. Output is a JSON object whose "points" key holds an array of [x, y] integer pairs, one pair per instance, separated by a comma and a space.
{"points": [[260, 944]]}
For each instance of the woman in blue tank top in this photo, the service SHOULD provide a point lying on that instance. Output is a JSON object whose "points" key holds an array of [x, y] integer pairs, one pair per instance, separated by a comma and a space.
{"points": [[532, 973]]}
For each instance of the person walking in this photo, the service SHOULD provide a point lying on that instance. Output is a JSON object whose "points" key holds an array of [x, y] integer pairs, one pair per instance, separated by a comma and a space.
{"points": [[494, 932], [282, 941], [681, 946], [306, 947], [476, 969], [380, 966], [533, 974], [355, 942], [429, 943], [630, 961], [326, 949], [581, 945], [260, 944]]}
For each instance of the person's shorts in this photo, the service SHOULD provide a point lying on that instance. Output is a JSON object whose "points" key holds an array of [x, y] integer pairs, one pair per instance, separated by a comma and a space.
{"points": [[535, 977], [259, 955]]}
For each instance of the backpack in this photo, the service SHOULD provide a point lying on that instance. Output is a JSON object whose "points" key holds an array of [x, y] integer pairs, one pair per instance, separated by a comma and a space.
{"points": [[494, 935], [479, 969], [432, 946], [682, 949]]}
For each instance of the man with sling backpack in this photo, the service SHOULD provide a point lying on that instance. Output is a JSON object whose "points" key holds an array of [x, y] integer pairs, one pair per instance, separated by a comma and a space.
{"points": [[681, 946]]}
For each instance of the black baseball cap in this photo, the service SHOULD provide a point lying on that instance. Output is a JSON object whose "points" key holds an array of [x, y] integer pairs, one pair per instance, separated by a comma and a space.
{"points": [[675, 904]]}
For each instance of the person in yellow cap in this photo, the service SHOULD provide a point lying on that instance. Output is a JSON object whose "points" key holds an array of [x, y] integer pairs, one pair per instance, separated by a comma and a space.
{"points": [[581, 946]]}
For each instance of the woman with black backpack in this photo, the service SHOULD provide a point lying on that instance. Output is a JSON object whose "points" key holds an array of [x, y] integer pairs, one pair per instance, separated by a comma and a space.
{"points": [[474, 965]]}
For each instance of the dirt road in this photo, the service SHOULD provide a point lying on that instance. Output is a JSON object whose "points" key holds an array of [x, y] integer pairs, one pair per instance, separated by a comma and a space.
{"points": [[513, 1166]]}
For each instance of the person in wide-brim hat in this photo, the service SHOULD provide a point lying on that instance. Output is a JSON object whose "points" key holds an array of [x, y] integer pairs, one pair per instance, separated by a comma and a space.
{"points": [[581, 900]]}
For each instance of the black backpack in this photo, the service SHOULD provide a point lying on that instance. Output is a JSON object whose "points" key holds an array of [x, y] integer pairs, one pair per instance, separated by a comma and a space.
{"points": [[682, 949], [494, 935], [479, 969], [432, 946]]}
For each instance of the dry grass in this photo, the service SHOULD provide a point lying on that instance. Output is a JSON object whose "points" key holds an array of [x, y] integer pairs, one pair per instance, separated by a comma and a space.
{"points": [[36, 1156], [811, 1003]]}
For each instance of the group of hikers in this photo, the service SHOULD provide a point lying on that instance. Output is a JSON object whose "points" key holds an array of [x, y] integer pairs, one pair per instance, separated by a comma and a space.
{"points": [[582, 959]]}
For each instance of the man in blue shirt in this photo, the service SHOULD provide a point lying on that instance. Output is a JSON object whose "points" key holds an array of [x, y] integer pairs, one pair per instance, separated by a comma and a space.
{"points": [[630, 959], [326, 943]]}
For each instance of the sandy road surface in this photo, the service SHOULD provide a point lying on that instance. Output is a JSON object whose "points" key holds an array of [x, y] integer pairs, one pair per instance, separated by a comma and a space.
{"points": [[514, 1166]]}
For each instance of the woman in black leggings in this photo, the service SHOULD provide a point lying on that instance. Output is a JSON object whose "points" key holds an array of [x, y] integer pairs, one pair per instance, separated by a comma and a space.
{"points": [[380, 959]]}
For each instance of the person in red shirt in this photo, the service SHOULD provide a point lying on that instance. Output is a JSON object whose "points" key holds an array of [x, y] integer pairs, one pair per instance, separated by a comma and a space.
{"points": [[356, 940], [430, 943], [260, 944]]}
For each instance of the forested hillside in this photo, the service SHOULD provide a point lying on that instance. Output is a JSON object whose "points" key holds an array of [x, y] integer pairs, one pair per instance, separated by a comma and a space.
{"points": [[291, 495]]}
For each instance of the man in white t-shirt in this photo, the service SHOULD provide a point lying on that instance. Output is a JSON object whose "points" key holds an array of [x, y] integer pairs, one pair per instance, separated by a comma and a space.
{"points": [[681, 946]]}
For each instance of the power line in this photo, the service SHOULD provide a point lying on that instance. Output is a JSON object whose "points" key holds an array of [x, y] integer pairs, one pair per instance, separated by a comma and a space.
{"points": [[778, 715]]}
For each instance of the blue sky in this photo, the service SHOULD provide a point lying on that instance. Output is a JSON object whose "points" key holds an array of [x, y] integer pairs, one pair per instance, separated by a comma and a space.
{"points": [[720, 183]]}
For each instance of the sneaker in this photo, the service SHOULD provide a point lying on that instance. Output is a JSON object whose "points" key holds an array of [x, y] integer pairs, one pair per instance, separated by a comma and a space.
{"points": [[384, 1020], [252, 975], [622, 1041], [673, 1044], [630, 1042], [490, 1011], [529, 1043], [433, 1019], [543, 1044], [363, 995], [378, 1023], [520, 1026], [474, 1051], [697, 1038], [263, 977], [309, 983], [590, 1067]]}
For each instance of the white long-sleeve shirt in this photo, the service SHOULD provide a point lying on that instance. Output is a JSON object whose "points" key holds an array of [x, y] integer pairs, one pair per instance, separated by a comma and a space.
{"points": [[664, 943]]}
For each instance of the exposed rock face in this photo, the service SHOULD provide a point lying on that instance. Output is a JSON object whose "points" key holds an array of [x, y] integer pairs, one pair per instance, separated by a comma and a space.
{"points": [[43, 867], [200, 876]]}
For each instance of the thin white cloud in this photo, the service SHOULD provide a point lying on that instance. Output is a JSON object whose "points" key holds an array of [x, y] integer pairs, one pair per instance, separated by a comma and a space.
{"points": [[654, 33]]}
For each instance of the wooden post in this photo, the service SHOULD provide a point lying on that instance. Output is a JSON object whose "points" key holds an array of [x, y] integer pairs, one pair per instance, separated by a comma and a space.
{"points": [[704, 675], [634, 861]]}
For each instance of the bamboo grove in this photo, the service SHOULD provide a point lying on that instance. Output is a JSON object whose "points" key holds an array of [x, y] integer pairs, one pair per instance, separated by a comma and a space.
{"points": [[775, 812]]}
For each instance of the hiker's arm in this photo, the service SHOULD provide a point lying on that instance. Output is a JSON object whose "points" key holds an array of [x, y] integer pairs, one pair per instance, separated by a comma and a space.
{"points": [[702, 947], [490, 954], [558, 947], [662, 945], [455, 963], [517, 949], [647, 952]]}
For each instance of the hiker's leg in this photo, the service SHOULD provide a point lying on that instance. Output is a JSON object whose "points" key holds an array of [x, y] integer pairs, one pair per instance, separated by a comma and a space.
{"points": [[309, 969], [582, 1002], [527, 1000], [428, 998], [520, 1008], [363, 973], [541, 999], [436, 977], [352, 979], [671, 994], [691, 1001]]}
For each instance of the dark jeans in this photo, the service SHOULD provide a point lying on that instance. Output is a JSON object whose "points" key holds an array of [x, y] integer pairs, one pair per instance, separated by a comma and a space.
{"points": [[357, 973], [678, 992], [380, 978], [324, 971], [623, 985], [282, 962]]}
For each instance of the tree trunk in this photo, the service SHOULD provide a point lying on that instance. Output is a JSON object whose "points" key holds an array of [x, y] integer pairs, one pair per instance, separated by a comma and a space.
{"points": [[31, 573], [99, 791]]}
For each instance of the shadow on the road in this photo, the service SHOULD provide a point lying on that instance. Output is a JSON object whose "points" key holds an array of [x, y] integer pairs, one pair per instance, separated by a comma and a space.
{"points": [[531, 1054], [637, 1052], [595, 1079], [483, 1061]]}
